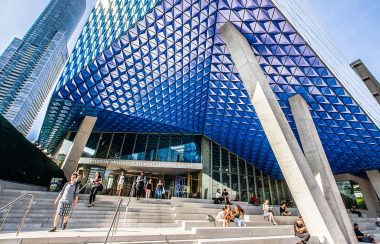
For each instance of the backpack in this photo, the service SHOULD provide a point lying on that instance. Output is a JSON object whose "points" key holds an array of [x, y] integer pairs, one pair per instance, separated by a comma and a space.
{"points": [[210, 218]]}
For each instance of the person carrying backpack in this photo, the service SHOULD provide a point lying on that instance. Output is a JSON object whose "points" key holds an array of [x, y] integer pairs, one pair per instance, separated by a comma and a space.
{"points": [[65, 200]]}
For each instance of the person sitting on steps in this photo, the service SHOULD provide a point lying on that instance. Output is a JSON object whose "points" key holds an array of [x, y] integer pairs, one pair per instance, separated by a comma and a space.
{"points": [[268, 212], [220, 217], [229, 215], [363, 237], [284, 211], [218, 197], [226, 197], [355, 211], [301, 230], [239, 216]]}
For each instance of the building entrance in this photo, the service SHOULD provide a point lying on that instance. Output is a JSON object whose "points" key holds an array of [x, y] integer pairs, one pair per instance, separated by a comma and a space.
{"points": [[183, 184]]}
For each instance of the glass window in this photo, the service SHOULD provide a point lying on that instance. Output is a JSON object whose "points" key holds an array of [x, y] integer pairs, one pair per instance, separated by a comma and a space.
{"points": [[266, 188], [274, 195], [243, 188], [234, 182], [259, 186], [117, 143], [251, 186], [176, 149], [163, 151], [241, 166], [104, 144], [234, 167], [127, 150], [192, 148], [226, 180], [249, 169], [92, 142], [225, 161], [151, 148], [215, 157], [139, 152]]}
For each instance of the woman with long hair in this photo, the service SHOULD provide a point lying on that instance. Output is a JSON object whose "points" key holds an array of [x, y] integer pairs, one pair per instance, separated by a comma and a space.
{"points": [[239, 216], [229, 215], [96, 183], [268, 212]]}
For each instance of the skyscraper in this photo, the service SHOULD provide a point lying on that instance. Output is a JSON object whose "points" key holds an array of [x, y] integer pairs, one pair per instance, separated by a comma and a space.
{"points": [[29, 66]]}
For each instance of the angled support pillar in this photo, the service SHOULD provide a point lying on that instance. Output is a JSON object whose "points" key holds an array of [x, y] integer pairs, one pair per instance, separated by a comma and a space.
{"points": [[71, 161], [302, 184], [316, 157], [374, 178]]}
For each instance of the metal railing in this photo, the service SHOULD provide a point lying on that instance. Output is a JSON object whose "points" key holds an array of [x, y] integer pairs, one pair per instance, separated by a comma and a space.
{"points": [[114, 224], [115, 220], [9, 206]]}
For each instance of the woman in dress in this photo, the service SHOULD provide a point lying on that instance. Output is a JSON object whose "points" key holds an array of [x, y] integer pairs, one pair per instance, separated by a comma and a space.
{"points": [[220, 216], [268, 212], [148, 188], [95, 184]]}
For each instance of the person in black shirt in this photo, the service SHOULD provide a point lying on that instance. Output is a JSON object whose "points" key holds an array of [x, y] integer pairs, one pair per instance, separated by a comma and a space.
{"points": [[284, 210], [225, 196], [363, 237]]}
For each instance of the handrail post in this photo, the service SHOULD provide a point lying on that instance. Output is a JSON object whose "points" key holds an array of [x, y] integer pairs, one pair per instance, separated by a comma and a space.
{"points": [[113, 220], [24, 217]]}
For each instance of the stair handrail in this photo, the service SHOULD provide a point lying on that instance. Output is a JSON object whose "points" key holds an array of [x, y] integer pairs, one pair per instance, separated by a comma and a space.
{"points": [[10, 204], [114, 220]]}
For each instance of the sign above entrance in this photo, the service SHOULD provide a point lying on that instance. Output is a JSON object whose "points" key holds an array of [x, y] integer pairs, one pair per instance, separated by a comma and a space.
{"points": [[140, 163]]}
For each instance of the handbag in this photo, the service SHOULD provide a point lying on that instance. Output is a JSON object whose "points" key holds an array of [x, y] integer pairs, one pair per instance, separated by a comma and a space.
{"points": [[163, 190], [100, 187]]}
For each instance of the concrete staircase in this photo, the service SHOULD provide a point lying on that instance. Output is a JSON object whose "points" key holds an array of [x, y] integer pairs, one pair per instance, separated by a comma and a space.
{"points": [[41, 214], [177, 220], [366, 224]]}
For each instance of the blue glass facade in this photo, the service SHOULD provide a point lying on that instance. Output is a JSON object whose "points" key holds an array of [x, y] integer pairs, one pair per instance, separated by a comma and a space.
{"points": [[163, 67]]}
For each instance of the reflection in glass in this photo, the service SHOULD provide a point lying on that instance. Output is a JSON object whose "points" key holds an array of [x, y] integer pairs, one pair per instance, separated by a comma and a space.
{"points": [[151, 148], [176, 149], [139, 152], [234, 182], [215, 157], [243, 188], [233, 159], [163, 151], [225, 160], [92, 142], [127, 150], [104, 143], [116, 145], [241, 166]]}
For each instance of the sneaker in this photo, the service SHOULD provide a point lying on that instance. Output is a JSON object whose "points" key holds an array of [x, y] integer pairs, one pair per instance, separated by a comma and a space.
{"points": [[93, 204], [53, 230], [89, 205], [64, 226]]}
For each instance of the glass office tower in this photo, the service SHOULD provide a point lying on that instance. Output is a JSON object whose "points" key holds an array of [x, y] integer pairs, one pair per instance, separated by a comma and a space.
{"points": [[157, 74], [30, 66]]}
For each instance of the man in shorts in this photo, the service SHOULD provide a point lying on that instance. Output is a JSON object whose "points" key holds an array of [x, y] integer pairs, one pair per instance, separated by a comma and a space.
{"points": [[65, 200]]}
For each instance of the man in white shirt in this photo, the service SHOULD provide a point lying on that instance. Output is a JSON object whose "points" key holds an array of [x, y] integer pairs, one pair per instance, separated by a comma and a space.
{"points": [[218, 197]]}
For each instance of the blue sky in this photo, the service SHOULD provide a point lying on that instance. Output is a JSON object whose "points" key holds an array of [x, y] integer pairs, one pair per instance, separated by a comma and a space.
{"points": [[352, 23]]}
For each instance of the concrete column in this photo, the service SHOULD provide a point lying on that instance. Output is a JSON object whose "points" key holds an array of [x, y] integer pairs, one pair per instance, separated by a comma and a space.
{"points": [[316, 157], [367, 190], [374, 178], [71, 162], [305, 190]]}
